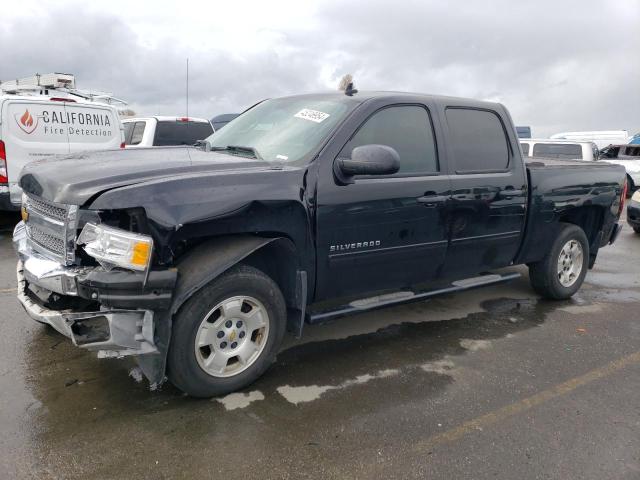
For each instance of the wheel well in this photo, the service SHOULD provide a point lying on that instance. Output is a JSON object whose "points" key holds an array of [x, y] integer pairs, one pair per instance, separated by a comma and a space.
{"points": [[631, 185], [589, 218], [279, 261]]}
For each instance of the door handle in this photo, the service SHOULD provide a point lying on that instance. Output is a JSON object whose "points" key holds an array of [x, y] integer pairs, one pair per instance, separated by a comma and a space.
{"points": [[432, 199], [510, 192]]}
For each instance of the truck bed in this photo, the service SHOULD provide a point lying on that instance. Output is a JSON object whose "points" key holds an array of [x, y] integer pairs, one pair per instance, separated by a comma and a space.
{"points": [[541, 162], [563, 190]]}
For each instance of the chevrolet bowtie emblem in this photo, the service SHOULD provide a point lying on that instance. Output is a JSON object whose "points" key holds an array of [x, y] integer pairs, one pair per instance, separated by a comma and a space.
{"points": [[232, 336], [24, 214]]}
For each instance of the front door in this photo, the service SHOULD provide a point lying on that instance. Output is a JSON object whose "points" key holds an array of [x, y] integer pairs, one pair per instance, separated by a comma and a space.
{"points": [[385, 232]]}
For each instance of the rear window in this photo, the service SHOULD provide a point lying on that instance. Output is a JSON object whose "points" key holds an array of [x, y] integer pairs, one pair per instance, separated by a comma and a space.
{"points": [[631, 151], [557, 150], [525, 149], [181, 133], [478, 140]]}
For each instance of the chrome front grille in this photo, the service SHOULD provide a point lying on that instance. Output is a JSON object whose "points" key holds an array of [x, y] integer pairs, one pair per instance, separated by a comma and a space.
{"points": [[50, 242], [51, 228], [47, 209]]}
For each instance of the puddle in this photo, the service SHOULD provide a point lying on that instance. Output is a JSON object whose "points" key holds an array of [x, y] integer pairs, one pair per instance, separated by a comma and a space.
{"points": [[309, 393], [237, 400], [580, 309], [474, 345]]}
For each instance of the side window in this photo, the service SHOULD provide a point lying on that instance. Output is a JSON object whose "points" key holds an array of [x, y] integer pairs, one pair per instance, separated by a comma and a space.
{"points": [[136, 134], [525, 149], [408, 130], [128, 128], [478, 140]]}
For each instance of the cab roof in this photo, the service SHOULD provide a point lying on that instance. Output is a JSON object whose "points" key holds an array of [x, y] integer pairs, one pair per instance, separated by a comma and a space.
{"points": [[162, 118]]}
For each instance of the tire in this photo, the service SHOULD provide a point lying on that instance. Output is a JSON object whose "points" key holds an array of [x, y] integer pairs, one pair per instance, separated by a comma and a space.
{"points": [[544, 276], [256, 312], [637, 230]]}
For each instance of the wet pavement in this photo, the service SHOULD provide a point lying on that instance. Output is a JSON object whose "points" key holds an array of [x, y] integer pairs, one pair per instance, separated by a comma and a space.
{"points": [[491, 383]]}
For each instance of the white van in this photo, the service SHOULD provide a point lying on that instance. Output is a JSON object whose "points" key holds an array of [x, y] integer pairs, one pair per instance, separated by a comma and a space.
{"points": [[601, 138], [549, 148], [39, 122], [164, 131]]}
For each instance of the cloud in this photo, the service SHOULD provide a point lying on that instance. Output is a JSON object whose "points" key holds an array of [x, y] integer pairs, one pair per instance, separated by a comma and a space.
{"points": [[555, 65]]}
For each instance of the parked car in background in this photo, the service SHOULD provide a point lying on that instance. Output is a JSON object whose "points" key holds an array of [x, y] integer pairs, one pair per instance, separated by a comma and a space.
{"points": [[523, 132], [627, 155], [601, 138], [45, 115], [164, 131], [221, 120], [633, 212], [304, 209], [546, 147]]}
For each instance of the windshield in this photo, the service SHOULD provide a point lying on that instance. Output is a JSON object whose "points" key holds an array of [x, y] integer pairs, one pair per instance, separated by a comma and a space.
{"points": [[282, 129]]}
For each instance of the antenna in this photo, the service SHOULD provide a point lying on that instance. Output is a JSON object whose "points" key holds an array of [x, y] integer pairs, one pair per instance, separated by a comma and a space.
{"points": [[187, 87]]}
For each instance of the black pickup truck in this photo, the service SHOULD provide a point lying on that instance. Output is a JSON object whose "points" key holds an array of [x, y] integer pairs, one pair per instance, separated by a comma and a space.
{"points": [[197, 260]]}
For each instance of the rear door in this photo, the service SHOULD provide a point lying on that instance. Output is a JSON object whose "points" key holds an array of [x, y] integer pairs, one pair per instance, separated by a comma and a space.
{"points": [[489, 190], [31, 130], [92, 127], [384, 232]]}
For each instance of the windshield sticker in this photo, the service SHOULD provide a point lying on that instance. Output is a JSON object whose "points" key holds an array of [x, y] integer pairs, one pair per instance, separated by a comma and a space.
{"points": [[282, 157], [313, 115]]}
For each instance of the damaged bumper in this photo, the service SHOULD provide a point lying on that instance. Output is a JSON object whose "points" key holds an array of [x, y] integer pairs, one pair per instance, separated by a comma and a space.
{"points": [[113, 313], [112, 333]]}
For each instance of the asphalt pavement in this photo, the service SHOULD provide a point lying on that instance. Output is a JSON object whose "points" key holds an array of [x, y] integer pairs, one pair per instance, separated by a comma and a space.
{"points": [[492, 383]]}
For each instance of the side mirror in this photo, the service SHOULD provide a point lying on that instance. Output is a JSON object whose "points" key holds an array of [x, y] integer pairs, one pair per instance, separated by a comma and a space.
{"points": [[204, 145], [367, 160]]}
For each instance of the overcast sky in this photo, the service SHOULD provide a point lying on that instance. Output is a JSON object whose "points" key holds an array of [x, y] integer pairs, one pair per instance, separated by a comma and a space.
{"points": [[556, 64]]}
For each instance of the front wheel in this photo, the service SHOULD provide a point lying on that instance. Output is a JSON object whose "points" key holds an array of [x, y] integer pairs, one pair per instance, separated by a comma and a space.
{"points": [[560, 274], [227, 334]]}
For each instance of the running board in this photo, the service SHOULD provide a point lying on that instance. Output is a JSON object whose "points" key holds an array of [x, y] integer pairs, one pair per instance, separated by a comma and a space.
{"points": [[398, 298]]}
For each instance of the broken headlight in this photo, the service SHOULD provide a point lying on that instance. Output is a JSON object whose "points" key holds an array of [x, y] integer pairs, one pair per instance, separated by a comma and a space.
{"points": [[113, 247]]}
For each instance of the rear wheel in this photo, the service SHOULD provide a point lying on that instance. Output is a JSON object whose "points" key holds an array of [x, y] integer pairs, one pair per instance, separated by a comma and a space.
{"points": [[560, 274], [227, 334], [637, 230]]}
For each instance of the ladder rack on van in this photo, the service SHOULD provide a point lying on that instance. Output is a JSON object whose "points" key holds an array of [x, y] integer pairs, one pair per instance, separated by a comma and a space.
{"points": [[63, 84]]}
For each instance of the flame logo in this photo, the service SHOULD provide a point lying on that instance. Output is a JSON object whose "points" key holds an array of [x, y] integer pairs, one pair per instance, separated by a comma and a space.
{"points": [[26, 122], [26, 119]]}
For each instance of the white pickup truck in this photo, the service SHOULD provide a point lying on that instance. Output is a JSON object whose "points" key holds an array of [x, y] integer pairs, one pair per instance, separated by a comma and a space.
{"points": [[44, 115], [165, 131]]}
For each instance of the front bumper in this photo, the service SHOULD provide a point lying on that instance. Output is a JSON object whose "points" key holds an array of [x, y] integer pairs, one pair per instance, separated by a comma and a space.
{"points": [[111, 312], [111, 333], [633, 214]]}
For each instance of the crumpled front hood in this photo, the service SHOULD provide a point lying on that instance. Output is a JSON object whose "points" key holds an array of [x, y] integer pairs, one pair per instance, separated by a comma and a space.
{"points": [[74, 179]]}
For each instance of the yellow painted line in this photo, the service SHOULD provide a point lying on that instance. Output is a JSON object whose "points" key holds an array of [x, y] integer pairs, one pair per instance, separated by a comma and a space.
{"points": [[8, 290], [539, 398]]}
